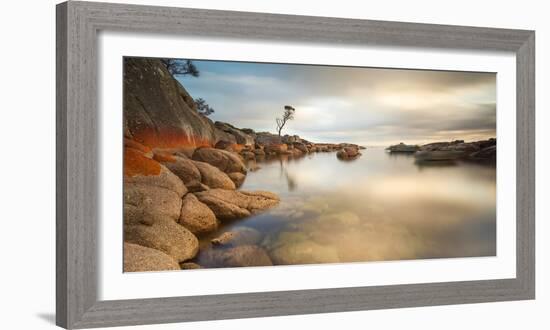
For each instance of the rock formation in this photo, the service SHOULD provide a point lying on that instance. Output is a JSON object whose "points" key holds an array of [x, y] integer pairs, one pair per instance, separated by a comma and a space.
{"points": [[196, 216], [403, 148], [183, 168], [348, 153], [238, 236], [168, 158], [226, 161], [158, 111], [240, 136], [165, 235], [231, 205], [182, 172], [478, 151], [138, 258], [213, 177]]}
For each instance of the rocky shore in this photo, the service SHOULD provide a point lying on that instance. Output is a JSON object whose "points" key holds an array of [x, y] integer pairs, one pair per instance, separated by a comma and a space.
{"points": [[182, 174], [483, 151]]}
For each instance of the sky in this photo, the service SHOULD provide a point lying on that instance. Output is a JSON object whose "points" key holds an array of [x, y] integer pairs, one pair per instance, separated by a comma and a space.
{"points": [[367, 106]]}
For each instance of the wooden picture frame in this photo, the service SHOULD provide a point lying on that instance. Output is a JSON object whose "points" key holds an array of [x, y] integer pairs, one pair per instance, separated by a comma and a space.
{"points": [[78, 24]]}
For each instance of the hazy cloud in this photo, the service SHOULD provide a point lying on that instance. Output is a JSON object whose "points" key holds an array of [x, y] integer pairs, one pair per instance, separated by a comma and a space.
{"points": [[371, 106]]}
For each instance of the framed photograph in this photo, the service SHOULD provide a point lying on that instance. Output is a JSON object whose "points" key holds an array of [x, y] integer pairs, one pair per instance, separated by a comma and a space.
{"points": [[217, 165]]}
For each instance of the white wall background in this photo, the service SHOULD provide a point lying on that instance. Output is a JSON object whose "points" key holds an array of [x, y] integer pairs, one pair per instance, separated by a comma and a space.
{"points": [[27, 184]]}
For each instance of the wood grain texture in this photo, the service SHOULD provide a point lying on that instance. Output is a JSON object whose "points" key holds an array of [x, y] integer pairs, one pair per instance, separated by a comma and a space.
{"points": [[77, 183], [296, 28], [525, 165], [61, 166], [77, 157]]}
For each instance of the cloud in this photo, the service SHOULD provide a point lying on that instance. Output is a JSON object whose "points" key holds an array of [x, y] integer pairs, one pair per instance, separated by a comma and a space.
{"points": [[363, 105]]}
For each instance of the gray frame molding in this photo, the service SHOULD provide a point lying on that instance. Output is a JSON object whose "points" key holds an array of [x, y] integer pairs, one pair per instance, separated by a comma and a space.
{"points": [[77, 187]]}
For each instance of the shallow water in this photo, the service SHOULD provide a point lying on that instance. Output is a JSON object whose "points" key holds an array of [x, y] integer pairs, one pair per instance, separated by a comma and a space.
{"points": [[380, 206]]}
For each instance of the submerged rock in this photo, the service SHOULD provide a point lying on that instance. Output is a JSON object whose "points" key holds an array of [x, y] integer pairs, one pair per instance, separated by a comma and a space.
{"points": [[196, 216], [230, 204], [165, 235], [303, 252], [238, 236], [309, 243], [277, 239], [344, 218], [240, 256], [139, 258]]}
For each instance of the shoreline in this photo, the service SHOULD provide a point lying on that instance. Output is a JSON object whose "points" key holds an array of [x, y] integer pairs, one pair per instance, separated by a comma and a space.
{"points": [[182, 174], [482, 151], [174, 197], [211, 197], [182, 171]]}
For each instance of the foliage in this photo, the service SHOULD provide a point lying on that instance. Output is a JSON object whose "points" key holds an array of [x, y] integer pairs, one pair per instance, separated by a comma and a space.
{"points": [[203, 108], [180, 67]]}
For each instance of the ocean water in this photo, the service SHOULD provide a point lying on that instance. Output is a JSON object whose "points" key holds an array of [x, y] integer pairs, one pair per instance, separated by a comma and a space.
{"points": [[380, 206]]}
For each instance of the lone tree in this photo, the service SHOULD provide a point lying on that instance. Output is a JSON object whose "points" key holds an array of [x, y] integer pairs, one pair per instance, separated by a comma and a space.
{"points": [[180, 67], [287, 115], [203, 108]]}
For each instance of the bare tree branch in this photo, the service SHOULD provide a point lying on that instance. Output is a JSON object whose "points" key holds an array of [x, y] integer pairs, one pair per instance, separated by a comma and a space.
{"points": [[288, 114]]}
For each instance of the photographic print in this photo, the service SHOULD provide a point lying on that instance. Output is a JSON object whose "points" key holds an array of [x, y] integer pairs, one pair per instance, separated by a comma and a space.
{"points": [[242, 164]]}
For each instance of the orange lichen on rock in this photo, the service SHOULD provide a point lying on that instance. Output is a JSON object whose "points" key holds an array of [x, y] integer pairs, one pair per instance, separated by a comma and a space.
{"points": [[169, 138], [237, 147], [164, 157], [129, 143], [135, 163]]}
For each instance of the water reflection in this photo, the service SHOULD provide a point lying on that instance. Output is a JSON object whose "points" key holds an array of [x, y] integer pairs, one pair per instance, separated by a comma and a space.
{"points": [[348, 160], [379, 207], [421, 164], [400, 154]]}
